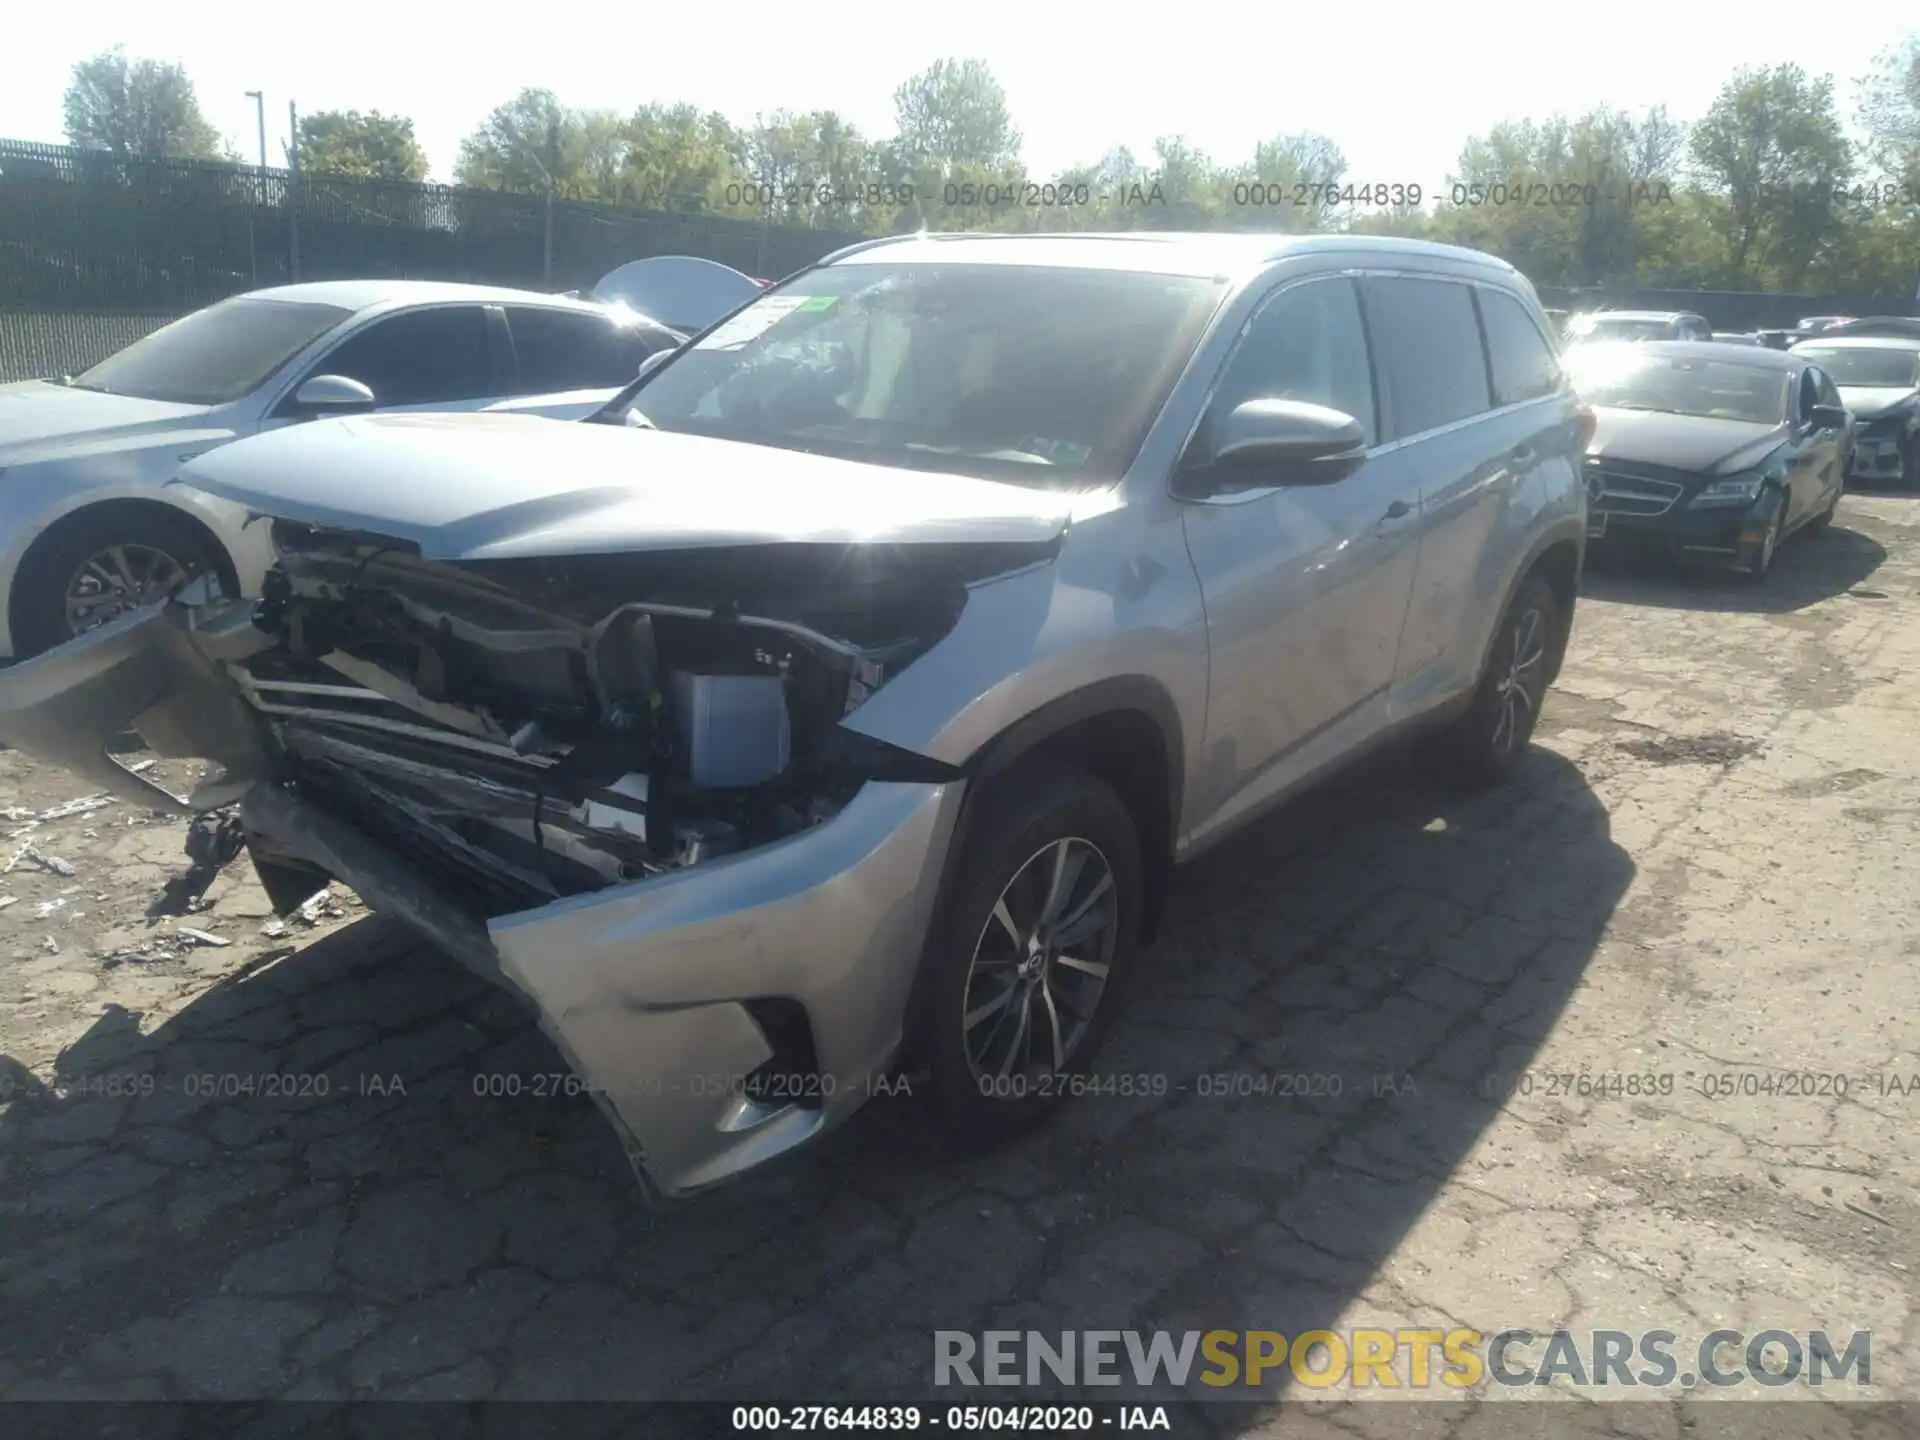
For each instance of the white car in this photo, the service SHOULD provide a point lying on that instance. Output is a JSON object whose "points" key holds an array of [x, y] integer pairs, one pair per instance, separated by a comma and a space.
{"points": [[89, 526]]}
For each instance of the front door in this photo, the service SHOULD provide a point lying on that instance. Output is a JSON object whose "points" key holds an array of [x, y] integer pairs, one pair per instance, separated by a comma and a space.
{"points": [[1305, 586], [435, 358]]}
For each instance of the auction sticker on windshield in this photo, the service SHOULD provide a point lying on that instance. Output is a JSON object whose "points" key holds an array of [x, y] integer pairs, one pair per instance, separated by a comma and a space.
{"points": [[758, 318]]}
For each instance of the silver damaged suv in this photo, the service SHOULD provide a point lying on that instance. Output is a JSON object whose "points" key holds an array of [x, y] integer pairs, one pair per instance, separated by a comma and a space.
{"points": [[839, 699]]}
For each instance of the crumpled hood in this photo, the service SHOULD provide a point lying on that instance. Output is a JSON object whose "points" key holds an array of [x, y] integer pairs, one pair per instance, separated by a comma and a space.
{"points": [[1682, 442], [40, 420], [1870, 402], [471, 487]]}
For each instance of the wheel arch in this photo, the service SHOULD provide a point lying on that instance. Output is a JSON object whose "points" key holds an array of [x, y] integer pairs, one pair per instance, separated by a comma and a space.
{"points": [[1126, 731], [135, 509], [1556, 556]]}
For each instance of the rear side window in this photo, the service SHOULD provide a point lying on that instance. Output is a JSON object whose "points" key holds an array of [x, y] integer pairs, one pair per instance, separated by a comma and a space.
{"points": [[558, 350], [1425, 335], [419, 357], [1522, 362]]}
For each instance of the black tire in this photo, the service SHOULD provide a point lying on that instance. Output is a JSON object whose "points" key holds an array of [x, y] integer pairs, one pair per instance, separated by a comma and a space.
{"points": [[1756, 562], [39, 611], [1483, 745], [1019, 823]]}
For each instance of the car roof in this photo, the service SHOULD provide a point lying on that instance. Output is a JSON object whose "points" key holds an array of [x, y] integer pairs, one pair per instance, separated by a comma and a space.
{"points": [[368, 294], [1758, 355], [1199, 253], [1861, 342]]}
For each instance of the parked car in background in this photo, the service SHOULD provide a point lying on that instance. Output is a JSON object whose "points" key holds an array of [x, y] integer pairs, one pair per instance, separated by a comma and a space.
{"points": [[1600, 326], [88, 528], [1814, 324], [1879, 380], [1715, 451], [1776, 339], [845, 698], [1734, 337]]}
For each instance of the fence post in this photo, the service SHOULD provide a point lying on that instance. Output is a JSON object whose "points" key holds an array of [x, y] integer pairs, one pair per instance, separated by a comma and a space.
{"points": [[293, 192]]}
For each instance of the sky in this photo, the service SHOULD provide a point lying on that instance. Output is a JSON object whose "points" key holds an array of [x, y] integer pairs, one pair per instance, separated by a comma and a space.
{"points": [[1398, 87]]}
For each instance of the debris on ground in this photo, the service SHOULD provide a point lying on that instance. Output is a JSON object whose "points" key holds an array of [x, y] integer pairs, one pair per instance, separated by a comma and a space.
{"points": [[274, 930], [6, 900], [203, 937], [27, 853], [50, 945], [317, 907], [48, 908], [76, 807], [213, 840]]}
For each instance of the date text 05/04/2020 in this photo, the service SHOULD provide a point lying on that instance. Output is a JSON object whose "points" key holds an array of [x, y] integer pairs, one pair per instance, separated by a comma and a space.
{"points": [[963, 1419]]}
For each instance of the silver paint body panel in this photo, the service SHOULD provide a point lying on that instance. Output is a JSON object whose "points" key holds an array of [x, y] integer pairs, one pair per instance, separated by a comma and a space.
{"points": [[1273, 632]]}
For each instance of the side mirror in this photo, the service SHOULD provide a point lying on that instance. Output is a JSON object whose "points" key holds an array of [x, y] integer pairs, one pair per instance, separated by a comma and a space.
{"points": [[1278, 442], [654, 361], [1829, 417], [332, 395]]}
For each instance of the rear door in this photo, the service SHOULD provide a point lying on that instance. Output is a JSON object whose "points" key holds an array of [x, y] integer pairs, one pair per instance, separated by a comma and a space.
{"points": [[1476, 438]]}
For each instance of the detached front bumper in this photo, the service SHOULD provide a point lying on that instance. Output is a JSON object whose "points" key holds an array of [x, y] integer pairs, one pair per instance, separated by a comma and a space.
{"points": [[657, 992]]}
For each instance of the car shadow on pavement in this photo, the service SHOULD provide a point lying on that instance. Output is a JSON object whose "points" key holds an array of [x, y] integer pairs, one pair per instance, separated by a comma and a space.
{"points": [[1807, 570], [355, 1171]]}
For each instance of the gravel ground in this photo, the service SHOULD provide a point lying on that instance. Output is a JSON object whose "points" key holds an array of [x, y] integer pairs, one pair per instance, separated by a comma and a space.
{"points": [[1707, 869]]}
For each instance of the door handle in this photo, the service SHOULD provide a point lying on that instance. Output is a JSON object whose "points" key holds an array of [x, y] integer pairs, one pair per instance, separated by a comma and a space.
{"points": [[1396, 512]]}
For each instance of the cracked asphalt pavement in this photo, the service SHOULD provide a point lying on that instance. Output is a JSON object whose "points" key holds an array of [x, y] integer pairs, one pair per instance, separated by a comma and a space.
{"points": [[1706, 871]]}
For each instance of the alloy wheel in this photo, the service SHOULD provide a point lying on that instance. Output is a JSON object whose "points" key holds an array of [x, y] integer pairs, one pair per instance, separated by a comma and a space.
{"points": [[1520, 689], [117, 579], [1041, 962]]}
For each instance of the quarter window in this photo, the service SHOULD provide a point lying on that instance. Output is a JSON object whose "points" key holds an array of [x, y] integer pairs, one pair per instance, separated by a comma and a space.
{"points": [[421, 357], [1523, 364], [1428, 341], [1308, 343]]}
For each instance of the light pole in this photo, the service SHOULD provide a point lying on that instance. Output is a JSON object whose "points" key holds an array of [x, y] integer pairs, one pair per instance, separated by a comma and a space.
{"points": [[260, 181]]}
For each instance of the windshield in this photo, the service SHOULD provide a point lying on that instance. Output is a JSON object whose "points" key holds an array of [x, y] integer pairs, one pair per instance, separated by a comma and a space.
{"points": [[1043, 375], [1720, 389], [213, 355], [1865, 365], [1602, 329]]}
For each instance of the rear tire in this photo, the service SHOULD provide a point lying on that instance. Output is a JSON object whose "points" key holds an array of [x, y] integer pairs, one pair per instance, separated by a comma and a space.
{"points": [[1050, 857], [96, 565], [1485, 743]]}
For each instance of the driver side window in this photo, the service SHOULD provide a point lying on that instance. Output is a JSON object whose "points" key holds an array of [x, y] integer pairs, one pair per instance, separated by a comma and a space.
{"points": [[419, 357], [1308, 343]]}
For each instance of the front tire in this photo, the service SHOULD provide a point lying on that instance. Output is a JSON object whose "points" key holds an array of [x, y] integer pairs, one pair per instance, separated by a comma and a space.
{"points": [[1029, 960], [1758, 562], [95, 566], [1485, 743]]}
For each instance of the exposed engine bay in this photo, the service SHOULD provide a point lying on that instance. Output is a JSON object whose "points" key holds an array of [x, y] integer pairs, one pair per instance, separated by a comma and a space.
{"points": [[526, 730]]}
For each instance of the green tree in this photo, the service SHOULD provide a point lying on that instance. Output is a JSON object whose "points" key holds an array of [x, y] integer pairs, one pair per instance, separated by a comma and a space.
{"points": [[1771, 153], [1283, 169], [361, 146], [806, 170], [533, 138], [677, 158], [1889, 111], [954, 141], [139, 107]]}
